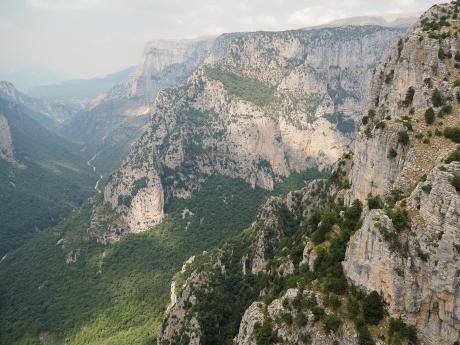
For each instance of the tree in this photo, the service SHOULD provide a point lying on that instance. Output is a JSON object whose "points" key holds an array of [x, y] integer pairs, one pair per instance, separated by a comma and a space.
{"points": [[403, 138], [437, 98], [409, 96], [373, 308], [452, 133], [429, 116]]}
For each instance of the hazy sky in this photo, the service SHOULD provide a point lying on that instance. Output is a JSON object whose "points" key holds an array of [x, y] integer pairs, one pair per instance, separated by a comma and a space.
{"points": [[87, 38]]}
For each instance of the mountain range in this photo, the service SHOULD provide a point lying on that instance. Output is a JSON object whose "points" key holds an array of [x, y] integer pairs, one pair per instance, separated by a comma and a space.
{"points": [[294, 187]]}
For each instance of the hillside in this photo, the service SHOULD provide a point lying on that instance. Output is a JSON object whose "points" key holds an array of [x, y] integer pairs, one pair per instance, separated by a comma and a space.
{"points": [[42, 177], [79, 91]]}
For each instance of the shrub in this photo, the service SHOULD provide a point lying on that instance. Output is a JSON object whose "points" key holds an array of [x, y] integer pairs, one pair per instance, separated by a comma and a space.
{"points": [[371, 113], [392, 153], [427, 188], [373, 308], [409, 96], [446, 109], [456, 182], [437, 98], [457, 83], [453, 156], [380, 125], [331, 323], [429, 116], [263, 333], [364, 336], [441, 54], [374, 202], [452, 133], [365, 120], [389, 77], [400, 218], [399, 330], [457, 56], [403, 138]]}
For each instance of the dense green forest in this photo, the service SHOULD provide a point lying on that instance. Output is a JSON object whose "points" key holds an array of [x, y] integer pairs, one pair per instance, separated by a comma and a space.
{"points": [[116, 294], [52, 181]]}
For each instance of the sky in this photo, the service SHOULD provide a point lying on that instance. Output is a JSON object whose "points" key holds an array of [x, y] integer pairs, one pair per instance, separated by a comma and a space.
{"points": [[91, 38]]}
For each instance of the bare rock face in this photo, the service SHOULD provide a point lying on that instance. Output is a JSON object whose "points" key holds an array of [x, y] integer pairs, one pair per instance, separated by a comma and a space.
{"points": [[420, 279], [381, 161], [136, 193], [6, 143], [262, 106]]}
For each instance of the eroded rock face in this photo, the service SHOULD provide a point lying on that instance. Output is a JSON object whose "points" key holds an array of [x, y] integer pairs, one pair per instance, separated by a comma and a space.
{"points": [[413, 63], [136, 193], [262, 106], [6, 143], [420, 280]]}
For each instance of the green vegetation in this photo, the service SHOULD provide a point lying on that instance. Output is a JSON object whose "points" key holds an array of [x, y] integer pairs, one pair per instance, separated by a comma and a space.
{"points": [[56, 180], [251, 90], [437, 98], [374, 202], [429, 116], [456, 182], [263, 333], [114, 293], [398, 332], [409, 97], [454, 156], [373, 308], [452, 133], [403, 138], [392, 153]]}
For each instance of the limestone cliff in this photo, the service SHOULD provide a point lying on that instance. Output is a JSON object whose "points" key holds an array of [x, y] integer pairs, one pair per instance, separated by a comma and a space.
{"points": [[399, 155], [267, 105]]}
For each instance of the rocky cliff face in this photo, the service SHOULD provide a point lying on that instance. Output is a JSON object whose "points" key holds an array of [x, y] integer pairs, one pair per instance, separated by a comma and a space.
{"points": [[6, 143], [268, 105], [112, 121], [401, 150]]}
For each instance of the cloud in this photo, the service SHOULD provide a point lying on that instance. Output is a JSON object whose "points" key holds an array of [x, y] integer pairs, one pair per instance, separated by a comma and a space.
{"points": [[66, 5], [311, 16]]}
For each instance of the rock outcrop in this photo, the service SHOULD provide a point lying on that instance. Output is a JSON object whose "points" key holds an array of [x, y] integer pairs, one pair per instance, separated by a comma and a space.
{"points": [[6, 143]]}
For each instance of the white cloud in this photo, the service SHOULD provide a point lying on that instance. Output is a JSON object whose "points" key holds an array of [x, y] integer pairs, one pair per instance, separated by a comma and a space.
{"points": [[64, 4], [311, 16]]}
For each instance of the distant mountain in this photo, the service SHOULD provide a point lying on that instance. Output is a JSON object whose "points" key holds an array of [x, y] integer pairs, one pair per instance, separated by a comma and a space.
{"points": [[27, 77], [42, 178], [110, 122], [79, 90], [49, 114], [388, 20]]}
